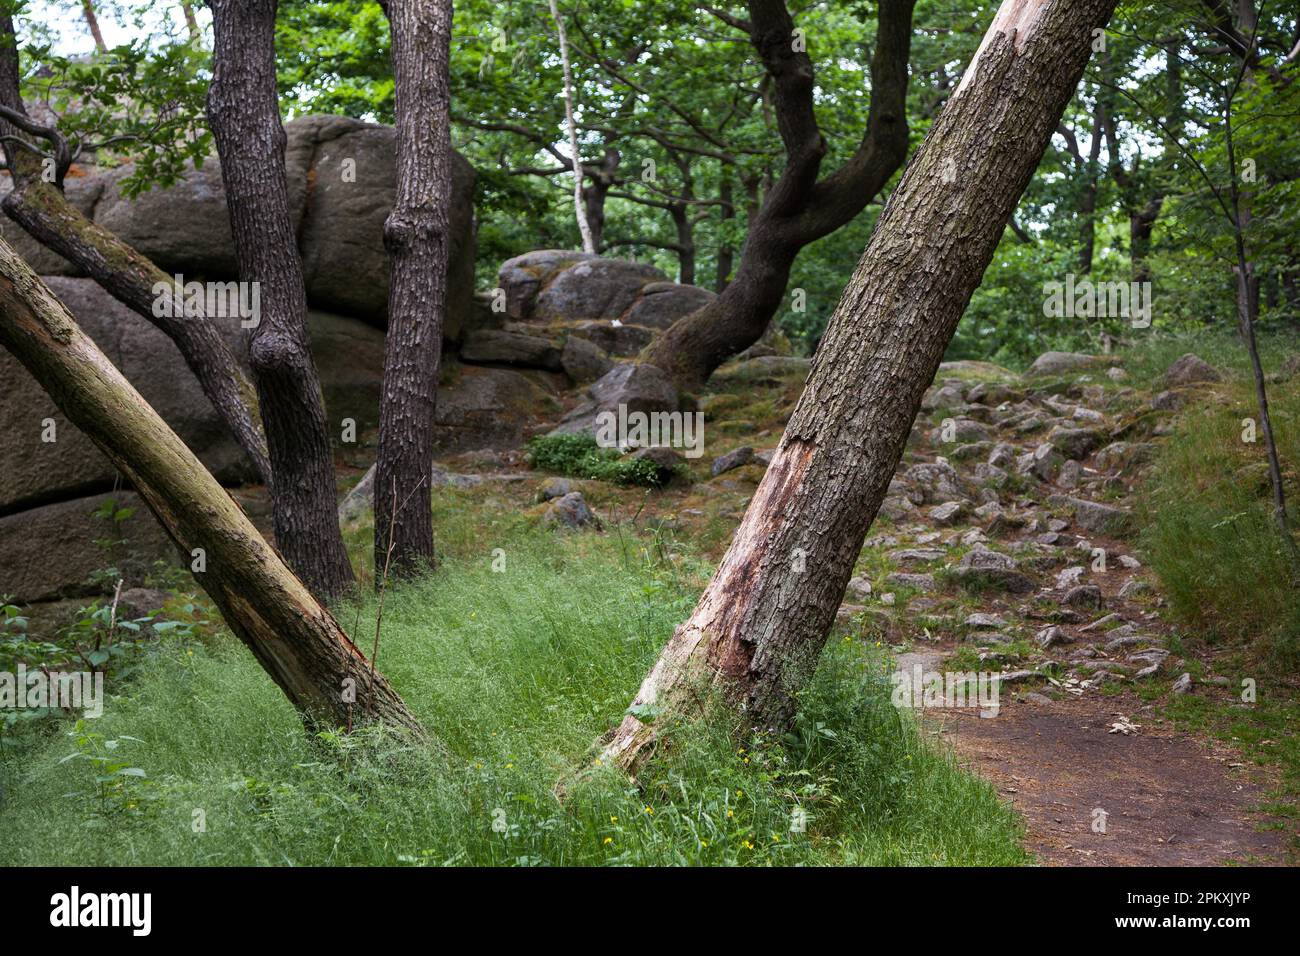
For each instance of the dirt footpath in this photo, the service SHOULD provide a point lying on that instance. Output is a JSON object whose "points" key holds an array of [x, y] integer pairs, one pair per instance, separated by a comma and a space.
{"points": [[1168, 799]]}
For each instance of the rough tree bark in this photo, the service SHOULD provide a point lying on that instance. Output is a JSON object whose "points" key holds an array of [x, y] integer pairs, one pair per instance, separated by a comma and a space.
{"points": [[40, 207], [758, 630], [292, 635], [245, 119], [799, 208], [415, 235]]}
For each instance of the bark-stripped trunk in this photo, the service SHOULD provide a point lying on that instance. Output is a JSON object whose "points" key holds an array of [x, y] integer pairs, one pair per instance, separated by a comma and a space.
{"points": [[41, 208], [292, 635], [415, 235], [245, 119], [799, 208], [759, 628]]}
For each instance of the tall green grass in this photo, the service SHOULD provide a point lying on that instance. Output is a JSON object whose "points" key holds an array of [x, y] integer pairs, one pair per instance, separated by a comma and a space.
{"points": [[1209, 527], [518, 672]]}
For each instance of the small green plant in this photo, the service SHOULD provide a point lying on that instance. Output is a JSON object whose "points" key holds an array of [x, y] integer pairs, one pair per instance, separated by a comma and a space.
{"points": [[579, 456], [119, 786]]}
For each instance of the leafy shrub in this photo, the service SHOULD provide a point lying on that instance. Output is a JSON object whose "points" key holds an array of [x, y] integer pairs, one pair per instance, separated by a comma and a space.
{"points": [[579, 456]]}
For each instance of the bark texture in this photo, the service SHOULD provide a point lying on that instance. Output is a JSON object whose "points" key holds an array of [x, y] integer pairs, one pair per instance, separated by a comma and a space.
{"points": [[40, 207], [292, 635], [760, 626], [415, 236], [799, 208], [245, 119]]}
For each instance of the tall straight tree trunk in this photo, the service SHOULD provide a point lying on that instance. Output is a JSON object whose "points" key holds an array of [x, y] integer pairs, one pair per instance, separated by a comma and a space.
{"points": [[292, 635], [415, 235], [245, 119], [759, 628], [41, 208], [579, 213]]}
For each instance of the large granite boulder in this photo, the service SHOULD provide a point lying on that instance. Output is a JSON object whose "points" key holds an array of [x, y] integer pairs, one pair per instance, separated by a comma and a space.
{"points": [[341, 177], [349, 187], [588, 292], [638, 388], [494, 408], [594, 289], [663, 303]]}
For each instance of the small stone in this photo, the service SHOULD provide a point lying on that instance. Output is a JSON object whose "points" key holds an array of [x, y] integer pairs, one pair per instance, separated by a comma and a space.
{"points": [[980, 621], [670, 465], [1168, 401], [916, 582], [570, 511], [1069, 577], [1191, 370], [860, 588], [1075, 443], [917, 555], [1183, 685], [736, 458], [1052, 637], [983, 568], [1132, 588], [1101, 518], [1084, 595], [947, 513], [553, 488], [1130, 562]]}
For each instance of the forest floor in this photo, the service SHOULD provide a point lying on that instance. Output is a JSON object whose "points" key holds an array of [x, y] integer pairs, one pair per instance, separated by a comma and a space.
{"points": [[1124, 735], [1097, 536]]}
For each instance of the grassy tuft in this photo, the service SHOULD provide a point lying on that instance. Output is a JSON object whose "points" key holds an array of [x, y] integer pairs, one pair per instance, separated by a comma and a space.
{"points": [[1209, 529]]}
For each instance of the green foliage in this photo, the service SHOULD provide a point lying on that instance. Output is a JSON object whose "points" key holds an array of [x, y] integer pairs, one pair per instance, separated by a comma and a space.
{"points": [[519, 672], [142, 102], [579, 456], [1209, 529]]}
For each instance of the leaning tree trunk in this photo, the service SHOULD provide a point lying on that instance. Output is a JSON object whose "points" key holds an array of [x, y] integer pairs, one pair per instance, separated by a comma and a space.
{"points": [[758, 630], [415, 235], [245, 119], [292, 635], [41, 208]]}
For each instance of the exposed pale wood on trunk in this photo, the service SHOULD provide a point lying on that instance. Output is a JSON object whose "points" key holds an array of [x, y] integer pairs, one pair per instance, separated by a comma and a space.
{"points": [[758, 631]]}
